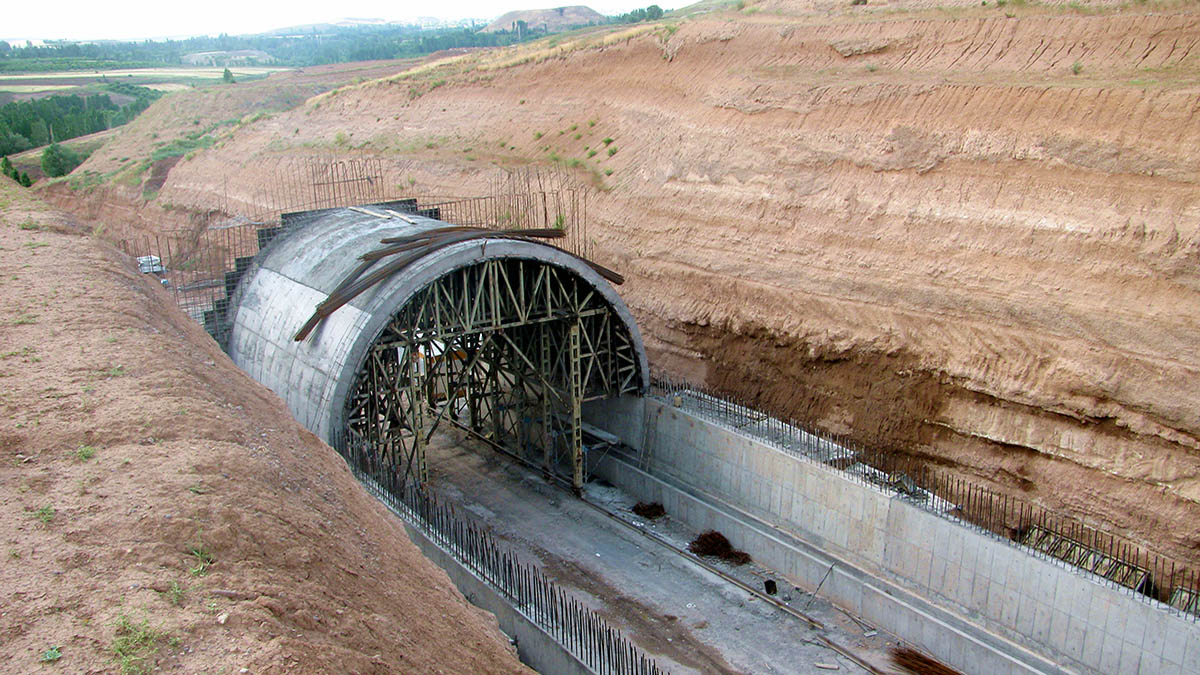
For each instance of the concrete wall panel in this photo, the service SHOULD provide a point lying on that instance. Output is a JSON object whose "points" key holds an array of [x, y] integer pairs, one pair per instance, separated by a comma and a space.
{"points": [[978, 602]]}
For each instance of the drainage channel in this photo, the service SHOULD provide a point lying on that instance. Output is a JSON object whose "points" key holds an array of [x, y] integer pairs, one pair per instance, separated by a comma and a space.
{"points": [[691, 614]]}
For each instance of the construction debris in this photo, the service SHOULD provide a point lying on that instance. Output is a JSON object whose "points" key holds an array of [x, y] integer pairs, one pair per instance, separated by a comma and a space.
{"points": [[649, 511], [912, 661], [713, 543]]}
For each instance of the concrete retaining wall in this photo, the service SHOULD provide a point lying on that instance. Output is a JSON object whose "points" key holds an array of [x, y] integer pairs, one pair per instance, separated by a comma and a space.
{"points": [[972, 600]]}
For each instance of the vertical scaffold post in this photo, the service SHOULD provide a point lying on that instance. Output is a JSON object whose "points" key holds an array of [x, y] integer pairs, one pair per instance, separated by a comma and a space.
{"points": [[576, 404], [416, 404], [494, 392], [547, 437]]}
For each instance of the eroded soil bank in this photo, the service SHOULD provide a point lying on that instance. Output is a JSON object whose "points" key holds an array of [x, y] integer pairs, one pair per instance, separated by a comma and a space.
{"points": [[159, 506]]}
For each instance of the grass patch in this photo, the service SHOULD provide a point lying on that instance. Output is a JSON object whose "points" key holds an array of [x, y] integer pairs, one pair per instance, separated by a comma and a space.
{"points": [[135, 645], [182, 146], [51, 655], [202, 559], [175, 594], [612, 150], [26, 353], [85, 452], [45, 515]]}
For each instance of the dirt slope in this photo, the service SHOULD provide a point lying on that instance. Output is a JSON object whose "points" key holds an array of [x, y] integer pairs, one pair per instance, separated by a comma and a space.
{"points": [[967, 233], [146, 479]]}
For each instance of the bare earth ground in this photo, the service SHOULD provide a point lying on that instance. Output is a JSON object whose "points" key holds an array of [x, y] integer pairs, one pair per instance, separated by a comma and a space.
{"points": [[154, 499], [966, 233]]}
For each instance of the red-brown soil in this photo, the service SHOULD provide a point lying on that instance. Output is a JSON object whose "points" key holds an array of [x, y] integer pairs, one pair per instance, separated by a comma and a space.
{"points": [[133, 450], [965, 233]]}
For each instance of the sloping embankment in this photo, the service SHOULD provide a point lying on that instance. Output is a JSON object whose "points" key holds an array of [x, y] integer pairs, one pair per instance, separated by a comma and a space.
{"points": [[145, 478]]}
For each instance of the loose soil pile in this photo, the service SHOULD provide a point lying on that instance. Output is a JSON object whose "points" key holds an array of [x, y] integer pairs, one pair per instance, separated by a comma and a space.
{"points": [[714, 544], [158, 509], [652, 510]]}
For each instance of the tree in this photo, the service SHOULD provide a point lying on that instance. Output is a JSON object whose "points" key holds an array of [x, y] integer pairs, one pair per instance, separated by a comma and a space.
{"points": [[24, 181], [11, 141], [6, 166], [59, 161], [39, 133], [654, 12], [228, 77]]}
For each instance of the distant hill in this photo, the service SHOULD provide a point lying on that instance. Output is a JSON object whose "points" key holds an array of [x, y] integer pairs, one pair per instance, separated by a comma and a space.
{"points": [[234, 57], [548, 20]]}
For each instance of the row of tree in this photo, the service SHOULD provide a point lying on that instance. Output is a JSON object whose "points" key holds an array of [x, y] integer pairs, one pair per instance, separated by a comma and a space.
{"points": [[29, 124], [314, 46], [7, 168], [651, 13], [329, 44]]}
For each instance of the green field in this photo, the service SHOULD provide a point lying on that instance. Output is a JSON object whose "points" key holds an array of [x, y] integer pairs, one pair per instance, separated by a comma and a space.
{"points": [[32, 85]]}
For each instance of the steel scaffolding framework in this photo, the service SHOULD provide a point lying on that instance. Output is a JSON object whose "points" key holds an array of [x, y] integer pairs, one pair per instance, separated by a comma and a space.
{"points": [[507, 349]]}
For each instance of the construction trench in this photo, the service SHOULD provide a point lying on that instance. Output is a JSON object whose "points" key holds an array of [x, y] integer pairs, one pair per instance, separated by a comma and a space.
{"points": [[381, 326]]}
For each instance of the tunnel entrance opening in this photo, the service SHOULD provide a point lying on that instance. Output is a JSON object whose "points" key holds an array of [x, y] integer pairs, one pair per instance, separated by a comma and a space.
{"points": [[508, 349]]}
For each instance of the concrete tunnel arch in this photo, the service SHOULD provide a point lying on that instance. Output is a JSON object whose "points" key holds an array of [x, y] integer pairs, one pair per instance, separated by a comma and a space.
{"points": [[379, 374]]}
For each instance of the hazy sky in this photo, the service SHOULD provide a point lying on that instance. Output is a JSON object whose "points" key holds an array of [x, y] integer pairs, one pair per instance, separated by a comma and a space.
{"points": [[138, 19]]}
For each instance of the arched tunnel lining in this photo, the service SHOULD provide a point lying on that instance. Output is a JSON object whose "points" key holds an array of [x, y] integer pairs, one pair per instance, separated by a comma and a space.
{"points": [[505, 337]]}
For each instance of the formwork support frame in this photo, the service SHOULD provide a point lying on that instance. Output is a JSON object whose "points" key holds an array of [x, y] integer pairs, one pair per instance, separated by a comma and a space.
{"points": [[518, 345]]}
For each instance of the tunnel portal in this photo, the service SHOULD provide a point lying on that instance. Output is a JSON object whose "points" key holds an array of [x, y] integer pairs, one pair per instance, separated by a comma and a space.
{"points": [[378, 326]]}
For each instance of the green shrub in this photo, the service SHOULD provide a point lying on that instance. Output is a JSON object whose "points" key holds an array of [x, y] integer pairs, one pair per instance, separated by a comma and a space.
{"points": [[59, 161]]}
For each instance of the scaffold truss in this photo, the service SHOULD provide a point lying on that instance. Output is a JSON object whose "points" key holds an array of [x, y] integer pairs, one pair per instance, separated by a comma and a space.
{"points": [[508, 349]]}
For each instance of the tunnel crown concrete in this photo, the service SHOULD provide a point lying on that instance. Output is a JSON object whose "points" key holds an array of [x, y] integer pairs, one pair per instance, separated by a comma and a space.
{"points": [[504, 337]]}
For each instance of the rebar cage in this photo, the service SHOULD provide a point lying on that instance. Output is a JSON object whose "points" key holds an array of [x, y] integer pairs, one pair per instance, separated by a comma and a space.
{"points": [[507, 349]]}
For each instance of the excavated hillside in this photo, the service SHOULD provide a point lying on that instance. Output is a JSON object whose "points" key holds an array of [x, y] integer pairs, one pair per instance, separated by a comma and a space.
{"points": [[964, 233], [160, 510]]}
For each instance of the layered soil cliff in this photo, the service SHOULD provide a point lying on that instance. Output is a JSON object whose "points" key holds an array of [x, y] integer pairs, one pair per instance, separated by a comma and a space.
{"points": [[964, 233]]}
